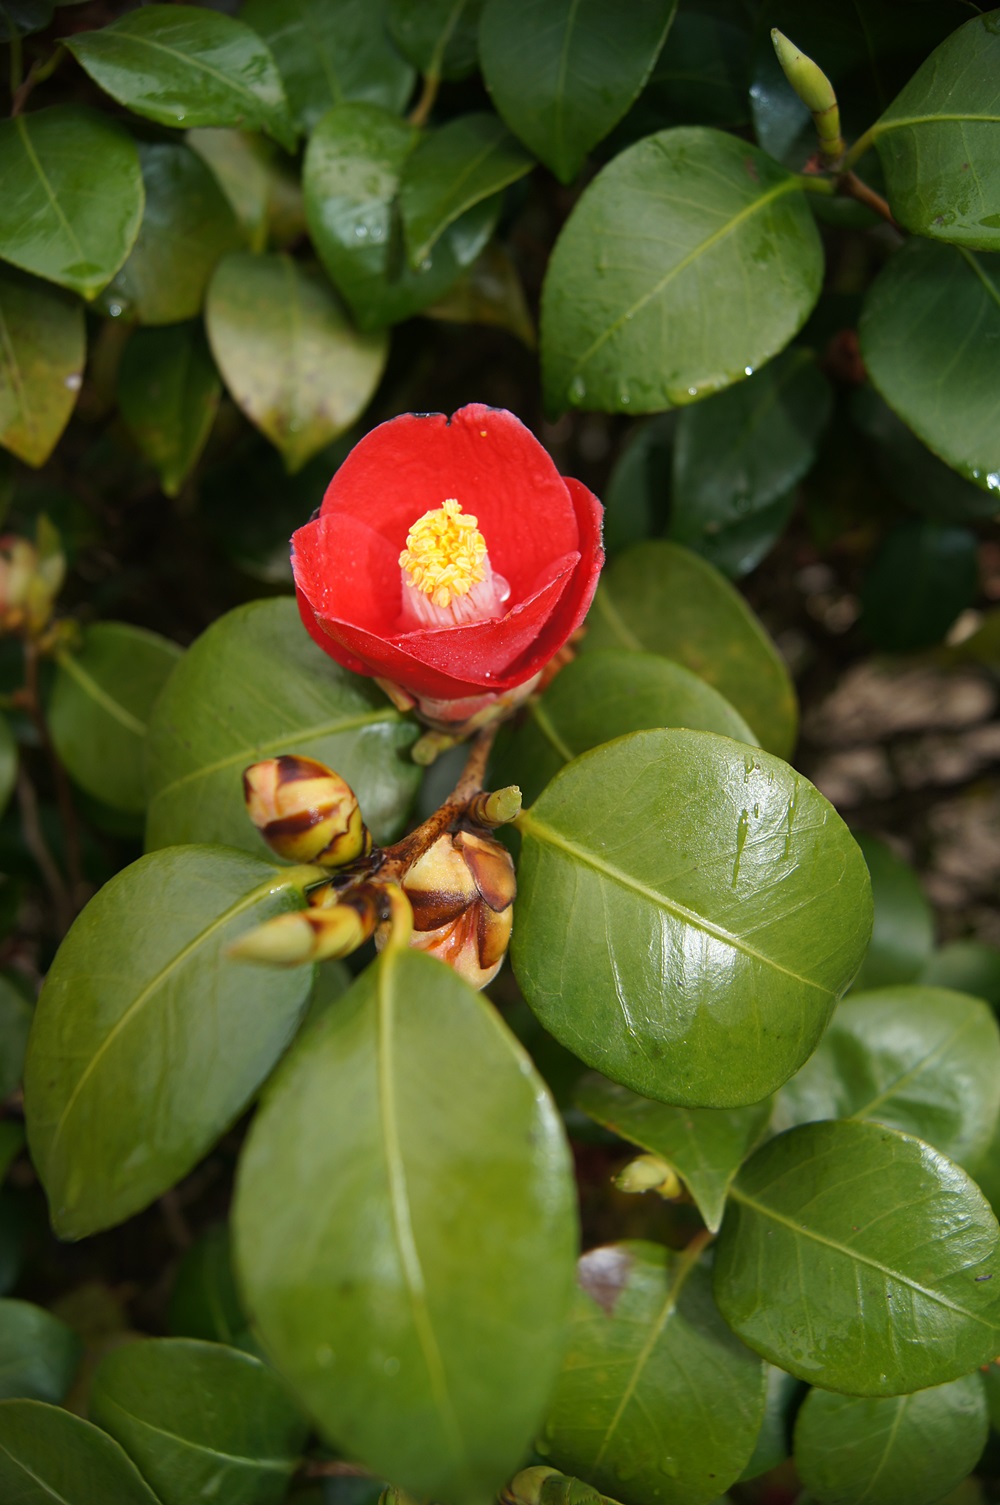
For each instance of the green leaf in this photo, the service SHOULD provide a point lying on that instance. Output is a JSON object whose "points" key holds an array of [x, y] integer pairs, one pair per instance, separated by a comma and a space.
{"points": [[656, 1399], [204, 1302], [183, 65], [774, 1440], [440, 37], [255, 686], [702, 76], [19, 18], [188, 225], [48, 1455], [935, 309], [705, 1146], [42, 351], [968, 967], [603, 695], [168, 396], [563, 72], [351, 176], [38, 1353], [689, 909], [452, 169], [8, 763], [923, 1060], [903, 931], [690, 260], [408, 1119], [200, 1420], [660, 597], [148, 1039], [920, 480], [939, 141], [490, 292], [900, 1450], [637, 493], [71, 196], [739, 453], [15, 1023], [331, 53], [101, 700], [922, 577], [861, 1260], [288, 354]]}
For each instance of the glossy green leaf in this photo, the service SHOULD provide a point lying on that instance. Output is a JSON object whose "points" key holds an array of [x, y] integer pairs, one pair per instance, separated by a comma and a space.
{"points": [[200, 1421], [451, 170], [926, 484], [47, 1455], [935, 309], [690, 260], [489, 292], [351, 175], [636, 497], [701, 77], [688, 911], [705, 1146], [185, 65], [656, 1399], [168, 396], [774, 1440], [331, 53], [8, 762], [968, 967], [101, 700], [860, 1259], [19, 18], [254, 686], [603, 695], [938, 141], [741, 452], [924, 1060], [15, 1024], [664, 599], [288, 354], [903, 931], [563, 72], [440, 37], [898, 1450], [922, 577], [187, 226], [408, 1120], [71, 196], [42, 351], [204, 1302], [38, 1353], [148, 1039]]}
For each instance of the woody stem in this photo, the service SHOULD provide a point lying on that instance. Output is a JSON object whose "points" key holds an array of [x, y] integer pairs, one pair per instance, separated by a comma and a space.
{"points": [[400, 856]]}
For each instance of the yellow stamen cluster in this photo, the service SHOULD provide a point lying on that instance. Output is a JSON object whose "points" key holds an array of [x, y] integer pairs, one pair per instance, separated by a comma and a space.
{"points": [[445, 553]]}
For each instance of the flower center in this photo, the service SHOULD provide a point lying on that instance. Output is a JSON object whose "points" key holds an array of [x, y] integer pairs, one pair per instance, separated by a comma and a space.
{"points": [[446, 571]]}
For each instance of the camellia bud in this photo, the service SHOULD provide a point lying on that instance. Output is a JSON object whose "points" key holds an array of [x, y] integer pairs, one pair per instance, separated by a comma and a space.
{"points": [[317, 934], [649, 1173], [815, 91], [462, 891], [305, 812], [31, 575]]}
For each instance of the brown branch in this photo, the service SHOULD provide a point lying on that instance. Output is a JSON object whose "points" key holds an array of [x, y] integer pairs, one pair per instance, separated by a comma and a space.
{"points": [[34, 840], [852, 186], [333, 1468], [64, 797], [399, 857]]}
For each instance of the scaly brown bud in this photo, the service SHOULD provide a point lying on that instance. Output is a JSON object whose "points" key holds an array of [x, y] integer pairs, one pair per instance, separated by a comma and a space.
{"points": [[305, 812], [316, 934], [649, 1173], [462, 891]]}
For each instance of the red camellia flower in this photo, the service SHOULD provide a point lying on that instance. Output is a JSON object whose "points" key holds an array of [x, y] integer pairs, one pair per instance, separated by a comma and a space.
{"points": [[449, 559]]}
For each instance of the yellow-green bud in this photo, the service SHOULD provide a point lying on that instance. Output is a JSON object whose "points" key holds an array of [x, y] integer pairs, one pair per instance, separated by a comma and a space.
{"points": [[649, 1173], [305, 812], [31, 575], [815, 91], [315, 934]]}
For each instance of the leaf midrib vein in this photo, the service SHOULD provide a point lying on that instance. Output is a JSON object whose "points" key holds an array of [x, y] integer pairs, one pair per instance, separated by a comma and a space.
{"points": [[90, 686], [276, 1465]]}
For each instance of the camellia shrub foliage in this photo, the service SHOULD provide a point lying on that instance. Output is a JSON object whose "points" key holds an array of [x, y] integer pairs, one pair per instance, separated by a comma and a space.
{"points": [[718, 274]]}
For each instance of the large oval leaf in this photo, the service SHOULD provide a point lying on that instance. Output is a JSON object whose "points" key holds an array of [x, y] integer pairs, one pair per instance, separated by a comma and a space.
{"points": [[601, 696], [290, 357], [656, 1399], [939, 141], [663, 598], [71, 196], [936, 308], [168, 396], [254, 686], [689, 909], [922, 577], [705, 1146], [898, 1450], [903, 930], [200, 1421], [408, 1121], [440, 37], [924, 1060], [689, 261], [563, 72], [101, 700], [42, 350], [184, 65], [148, 1039], [47, 1455], [38, 1353], [860, 1259], [331, 53]]}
